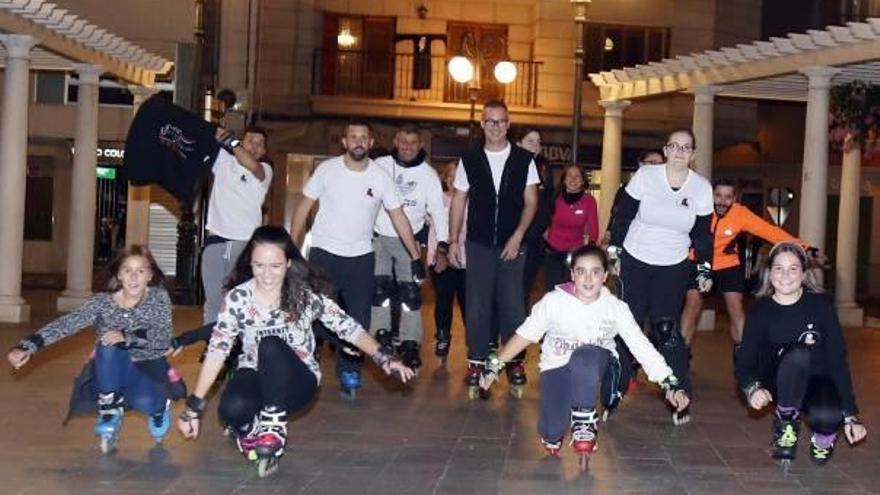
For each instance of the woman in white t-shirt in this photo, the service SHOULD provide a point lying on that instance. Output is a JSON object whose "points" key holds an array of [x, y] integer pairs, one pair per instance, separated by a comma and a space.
{"points": [[662, 212], [578, 322]]}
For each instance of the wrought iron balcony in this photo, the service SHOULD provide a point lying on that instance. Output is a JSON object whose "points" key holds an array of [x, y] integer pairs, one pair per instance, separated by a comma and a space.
{"points": [[408, 77]]}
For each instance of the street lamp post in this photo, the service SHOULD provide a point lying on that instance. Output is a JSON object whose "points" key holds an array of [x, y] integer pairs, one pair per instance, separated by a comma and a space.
{"points": [[464, 71], [580, 19]]}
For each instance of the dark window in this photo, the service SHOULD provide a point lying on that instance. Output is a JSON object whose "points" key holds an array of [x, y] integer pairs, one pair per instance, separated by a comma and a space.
{"points": [[611, 46], [487, 45], [39, 192], [357, 56], [50, 87]]}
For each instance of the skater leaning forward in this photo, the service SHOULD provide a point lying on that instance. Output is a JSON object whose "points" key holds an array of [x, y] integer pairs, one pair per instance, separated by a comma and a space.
{"points": [[662, 212], [579, 321], [273, 297], [793, 352], [128, 368]]}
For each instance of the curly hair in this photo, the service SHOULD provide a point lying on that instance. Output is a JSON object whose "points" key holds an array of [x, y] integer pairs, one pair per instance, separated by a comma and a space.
{"points": [[301, 275]]}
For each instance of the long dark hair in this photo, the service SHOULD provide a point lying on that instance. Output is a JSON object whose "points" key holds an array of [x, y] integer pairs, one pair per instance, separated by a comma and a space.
{"points": [[810, 283], [113, 284], [301, 275]]}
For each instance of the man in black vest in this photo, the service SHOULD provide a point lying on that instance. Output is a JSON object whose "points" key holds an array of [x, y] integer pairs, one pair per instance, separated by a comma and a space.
{"points": [[498, 185]]}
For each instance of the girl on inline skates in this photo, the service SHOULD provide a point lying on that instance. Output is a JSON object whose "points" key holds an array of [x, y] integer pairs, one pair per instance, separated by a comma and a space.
{"points": [[793, 350], [273, 297], [128, 369], [579, 321]]}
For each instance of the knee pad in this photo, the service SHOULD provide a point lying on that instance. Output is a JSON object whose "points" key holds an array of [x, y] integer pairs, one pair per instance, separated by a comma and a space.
{"points": [[384, 290], [410, 296], [666, 332]]}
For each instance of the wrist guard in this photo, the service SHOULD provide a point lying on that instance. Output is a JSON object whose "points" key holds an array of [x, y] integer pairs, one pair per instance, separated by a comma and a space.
{"points": [[419, 274], [704, 277], [752, 388], [196, 405], [494, 365], [851, 420], [228, 142], [670, 384], [383, 356]]}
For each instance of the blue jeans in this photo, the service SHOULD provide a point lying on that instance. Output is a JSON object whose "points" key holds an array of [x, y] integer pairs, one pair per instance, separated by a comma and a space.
{"points": [[115, 372]]}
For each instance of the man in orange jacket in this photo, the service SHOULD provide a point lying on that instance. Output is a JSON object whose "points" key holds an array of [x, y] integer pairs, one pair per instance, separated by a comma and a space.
{"points": [[729, 220]]}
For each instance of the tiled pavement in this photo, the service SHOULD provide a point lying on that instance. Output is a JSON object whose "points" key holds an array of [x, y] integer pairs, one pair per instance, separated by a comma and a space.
{"points": [[425, 439]]}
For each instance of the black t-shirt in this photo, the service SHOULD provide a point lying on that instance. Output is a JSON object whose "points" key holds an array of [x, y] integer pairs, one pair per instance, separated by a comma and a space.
{"points": [[771, 328]]}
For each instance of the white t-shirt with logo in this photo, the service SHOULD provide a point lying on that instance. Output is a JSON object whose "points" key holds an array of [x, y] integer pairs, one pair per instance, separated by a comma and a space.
{"points": [[497, 159], [566, 323], [235, 207], [349, 202], [422, 194], [660, 232]]}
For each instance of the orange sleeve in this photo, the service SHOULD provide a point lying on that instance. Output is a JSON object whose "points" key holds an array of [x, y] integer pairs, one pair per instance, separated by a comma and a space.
{"points": [[757, 226]]}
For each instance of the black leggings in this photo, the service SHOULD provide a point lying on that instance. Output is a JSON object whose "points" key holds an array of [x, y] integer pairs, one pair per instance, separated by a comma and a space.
{"points": [[815, 395], [281, 380], [448, 286], [658, 292]]}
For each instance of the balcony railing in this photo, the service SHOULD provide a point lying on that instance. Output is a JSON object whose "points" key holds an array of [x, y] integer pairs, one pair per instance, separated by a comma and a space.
{"points": [[408, 77]]}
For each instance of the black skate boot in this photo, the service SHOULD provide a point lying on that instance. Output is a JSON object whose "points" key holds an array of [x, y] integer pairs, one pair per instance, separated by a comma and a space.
{"points": [[410, 354], [516, 378], [785, 438], [820, 455], [584, 432], [441, 346], [271, 439], [472, 379]]}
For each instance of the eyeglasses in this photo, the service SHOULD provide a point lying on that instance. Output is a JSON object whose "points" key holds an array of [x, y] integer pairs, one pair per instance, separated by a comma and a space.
{"points": [[496, 123], [684, 148]]}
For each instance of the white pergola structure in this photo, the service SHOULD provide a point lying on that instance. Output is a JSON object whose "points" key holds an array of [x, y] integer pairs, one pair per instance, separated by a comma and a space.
{"points": [[42, 36], [799, 67]]}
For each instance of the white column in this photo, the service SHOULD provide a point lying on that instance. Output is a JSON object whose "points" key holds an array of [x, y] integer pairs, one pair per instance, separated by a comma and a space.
{"points": [[814, 178], [81, 240], [612, 151], [137, 218], [13, 174], [703, 126], [851, 315]]}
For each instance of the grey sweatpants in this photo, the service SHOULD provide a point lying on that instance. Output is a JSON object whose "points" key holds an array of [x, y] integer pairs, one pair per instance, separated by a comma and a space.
{"points": [[218, 260], [393, 264], [576, 384]]}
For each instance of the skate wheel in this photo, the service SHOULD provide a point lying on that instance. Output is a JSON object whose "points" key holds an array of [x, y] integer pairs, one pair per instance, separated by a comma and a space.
{"points": [[108, 444], [517, 391], [681, 418], [350, 394], [584, 461], [251, 455], [474, 393], [605, 415], [442, 360], [785, 464], [266, 466]]}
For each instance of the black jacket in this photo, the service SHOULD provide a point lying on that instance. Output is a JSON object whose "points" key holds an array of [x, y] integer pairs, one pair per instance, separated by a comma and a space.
{"points": [[170, 147]]}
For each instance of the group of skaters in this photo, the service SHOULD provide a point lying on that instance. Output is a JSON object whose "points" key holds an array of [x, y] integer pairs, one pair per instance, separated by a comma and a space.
{"points": [[489, 223]]}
